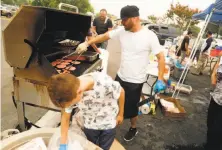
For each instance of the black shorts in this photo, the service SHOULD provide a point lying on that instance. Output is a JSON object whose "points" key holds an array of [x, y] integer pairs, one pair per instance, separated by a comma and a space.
{"points": [[132, 97], [178, 52]]}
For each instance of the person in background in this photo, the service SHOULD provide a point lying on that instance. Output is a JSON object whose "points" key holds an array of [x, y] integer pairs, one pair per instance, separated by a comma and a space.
{"points": [[91, 34], [137, 43], [89, 37], [99, 98], [184, 46], [198, 52], [179, 40], [205, 52], [101, 25], [94, 34], [214, 118]]}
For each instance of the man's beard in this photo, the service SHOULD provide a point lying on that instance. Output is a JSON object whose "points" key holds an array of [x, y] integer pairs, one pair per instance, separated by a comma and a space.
{"points": [[127, 29], [102, 19]]}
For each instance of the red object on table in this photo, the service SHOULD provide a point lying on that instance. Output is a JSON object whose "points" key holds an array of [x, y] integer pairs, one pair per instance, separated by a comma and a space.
{"points": [[215, 52]]}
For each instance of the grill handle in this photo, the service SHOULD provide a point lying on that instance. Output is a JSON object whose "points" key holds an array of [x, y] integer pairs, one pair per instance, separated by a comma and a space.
{"points": [[68, 6], [35, 49]]}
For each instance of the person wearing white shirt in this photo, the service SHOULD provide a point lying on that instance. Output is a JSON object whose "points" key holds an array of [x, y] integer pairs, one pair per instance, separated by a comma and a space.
{"points": [[136, 45], [179, 40]]}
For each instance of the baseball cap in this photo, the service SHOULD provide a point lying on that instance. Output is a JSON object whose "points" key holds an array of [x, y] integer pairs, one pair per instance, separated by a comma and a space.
{"points": [[129, 11], [209, 32]]}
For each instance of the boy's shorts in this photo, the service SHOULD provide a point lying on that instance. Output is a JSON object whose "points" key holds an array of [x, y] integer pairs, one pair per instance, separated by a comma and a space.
{"points": [[102, 138]]}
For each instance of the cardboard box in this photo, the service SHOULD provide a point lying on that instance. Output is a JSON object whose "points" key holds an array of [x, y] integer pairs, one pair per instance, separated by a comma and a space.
{"points": [[176, 102], [116, 146]]}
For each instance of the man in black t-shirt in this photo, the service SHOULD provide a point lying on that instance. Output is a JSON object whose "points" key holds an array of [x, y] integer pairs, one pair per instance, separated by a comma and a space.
{"points": [[184, 46], [89, 37], [101, 25]]}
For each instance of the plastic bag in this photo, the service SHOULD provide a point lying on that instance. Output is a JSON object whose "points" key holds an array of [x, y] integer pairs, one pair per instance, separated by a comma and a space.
{"points": [[178, 65], [75, 141], [218, 47], [35, 144], [105, 57], [8, 133]]}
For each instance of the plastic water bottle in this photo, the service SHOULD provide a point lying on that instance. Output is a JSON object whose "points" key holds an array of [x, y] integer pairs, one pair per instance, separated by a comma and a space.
{"points": [[153, 108]]}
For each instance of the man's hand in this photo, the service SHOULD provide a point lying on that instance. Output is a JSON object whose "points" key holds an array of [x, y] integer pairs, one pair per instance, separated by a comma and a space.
{"points": [[119, 120], [63, 147], [82, 47], [160, 86]]}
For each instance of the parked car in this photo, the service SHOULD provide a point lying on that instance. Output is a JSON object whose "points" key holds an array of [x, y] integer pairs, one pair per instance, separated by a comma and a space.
{"points": [[5, 12], [164, 32]]}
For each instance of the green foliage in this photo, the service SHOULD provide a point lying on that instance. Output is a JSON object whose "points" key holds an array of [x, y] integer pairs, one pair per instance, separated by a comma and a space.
{"points": [[181, 15], [195, 30], [153, 19], [14, 2], [83, 5]]}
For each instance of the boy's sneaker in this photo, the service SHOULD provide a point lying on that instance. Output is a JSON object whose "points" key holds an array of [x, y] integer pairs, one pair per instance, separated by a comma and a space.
{"points": [[130, 134]]}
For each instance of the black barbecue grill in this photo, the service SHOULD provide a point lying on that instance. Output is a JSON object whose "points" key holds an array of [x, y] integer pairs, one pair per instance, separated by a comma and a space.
{"points": [[32, 42]]}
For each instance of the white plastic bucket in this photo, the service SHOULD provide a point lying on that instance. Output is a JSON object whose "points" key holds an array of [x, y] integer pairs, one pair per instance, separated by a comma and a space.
{"points": [[18, 140]]}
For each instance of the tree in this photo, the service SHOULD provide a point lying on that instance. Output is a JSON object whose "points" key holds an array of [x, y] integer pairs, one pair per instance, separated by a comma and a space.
{"points": [[195, 30], [45, 3], [152, 19], [181, 15], [157, 20], [83, 5], [14, 2]]}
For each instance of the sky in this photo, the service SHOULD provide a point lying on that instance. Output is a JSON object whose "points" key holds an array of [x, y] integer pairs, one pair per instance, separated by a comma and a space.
{"points": [[147, 7]]}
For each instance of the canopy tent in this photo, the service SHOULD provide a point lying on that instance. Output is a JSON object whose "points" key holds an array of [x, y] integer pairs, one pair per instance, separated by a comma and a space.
{"points": [[216, 16], [212, 14]]}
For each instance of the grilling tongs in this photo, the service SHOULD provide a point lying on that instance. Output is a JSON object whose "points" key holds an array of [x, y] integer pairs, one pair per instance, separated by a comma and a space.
{"points": [[69, 55]]}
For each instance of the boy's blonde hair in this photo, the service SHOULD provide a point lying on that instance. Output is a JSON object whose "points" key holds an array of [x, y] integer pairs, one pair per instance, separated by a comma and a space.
{"points": [[63, 88]]}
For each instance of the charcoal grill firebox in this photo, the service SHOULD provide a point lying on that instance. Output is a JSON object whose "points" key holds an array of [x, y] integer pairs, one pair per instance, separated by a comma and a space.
{"points": [[32, 42]]}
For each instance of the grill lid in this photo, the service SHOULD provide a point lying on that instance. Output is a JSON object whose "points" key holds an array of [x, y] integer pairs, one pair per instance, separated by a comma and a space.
{"points": [[42, 27]]}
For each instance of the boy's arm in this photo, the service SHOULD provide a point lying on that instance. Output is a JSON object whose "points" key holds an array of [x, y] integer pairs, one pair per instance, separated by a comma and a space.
{"points": [[119, 119], [64, 126]]}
